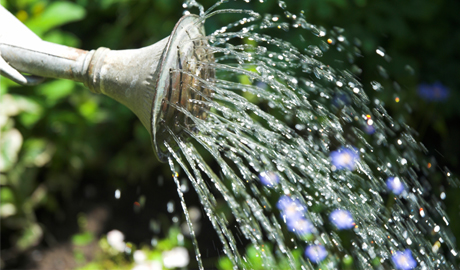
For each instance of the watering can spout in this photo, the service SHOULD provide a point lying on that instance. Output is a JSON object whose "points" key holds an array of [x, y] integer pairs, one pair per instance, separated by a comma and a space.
{"points": [[146, 80]]}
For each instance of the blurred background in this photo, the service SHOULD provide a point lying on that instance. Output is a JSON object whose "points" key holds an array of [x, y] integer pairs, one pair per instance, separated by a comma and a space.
{"points": [[77, 168]]}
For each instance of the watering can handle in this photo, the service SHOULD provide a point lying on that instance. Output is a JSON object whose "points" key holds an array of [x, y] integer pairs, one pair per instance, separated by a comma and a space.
{"points": [[21, 50]]}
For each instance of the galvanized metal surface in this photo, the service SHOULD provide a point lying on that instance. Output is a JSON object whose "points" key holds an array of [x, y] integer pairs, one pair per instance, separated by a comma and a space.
{"points": [[180, 72], [146, 80], [122, 75], [15, 32]]}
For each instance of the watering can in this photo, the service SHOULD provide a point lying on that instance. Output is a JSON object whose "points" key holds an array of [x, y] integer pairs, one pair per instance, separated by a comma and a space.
{"points": [[151, 81]]}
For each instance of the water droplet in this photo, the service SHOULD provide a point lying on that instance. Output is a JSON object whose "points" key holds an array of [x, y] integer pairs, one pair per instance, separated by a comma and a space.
{"points": [[261, 50], [443, 195], [170, 206], [376, 86], [382, 72], [282, 4]]}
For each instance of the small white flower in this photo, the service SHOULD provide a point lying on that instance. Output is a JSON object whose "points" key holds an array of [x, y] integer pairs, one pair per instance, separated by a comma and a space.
{"points": [[151, 265], [139, 256], [115, 239], [141, 267], [195, 213], [176, 257]]}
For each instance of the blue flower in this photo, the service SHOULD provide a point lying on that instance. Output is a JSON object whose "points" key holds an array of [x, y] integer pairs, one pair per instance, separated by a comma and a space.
{"points": [[395, 185], [341, 100], [369, 129], [433, 92], [345, 158], [403, 260], [291, 209], [316, 253], [269, 178], [342, 219], [261, 85], [301, 225]]}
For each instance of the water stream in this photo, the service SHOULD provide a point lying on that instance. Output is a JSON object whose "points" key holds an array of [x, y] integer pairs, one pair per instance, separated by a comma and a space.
{"points": [[306, 162]]}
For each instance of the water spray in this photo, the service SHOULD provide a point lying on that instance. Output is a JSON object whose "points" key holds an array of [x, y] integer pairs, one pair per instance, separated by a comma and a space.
{"points": [[148, 80]]}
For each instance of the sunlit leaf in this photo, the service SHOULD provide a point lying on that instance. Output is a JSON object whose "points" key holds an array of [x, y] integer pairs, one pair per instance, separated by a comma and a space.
{"points": [[10, 144], [82, 239], [56, 14], [254, 257], [63, 38], [56, 90], [91, 266], [30, 236], [6, 195], [225, 263], [7, 209], [4, 3], [14, 104]]}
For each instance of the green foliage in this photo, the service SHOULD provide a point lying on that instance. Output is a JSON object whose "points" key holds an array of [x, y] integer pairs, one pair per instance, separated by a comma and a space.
{"points": [[54, 15], [107, 257], [55, 91], [56, 134], [82, 239]]}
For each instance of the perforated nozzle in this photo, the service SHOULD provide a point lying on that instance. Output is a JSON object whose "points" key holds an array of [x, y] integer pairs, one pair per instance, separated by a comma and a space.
{"points": [[182, 74]]}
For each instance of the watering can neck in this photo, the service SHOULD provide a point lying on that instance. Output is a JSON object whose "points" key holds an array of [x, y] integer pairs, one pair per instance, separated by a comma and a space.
{"points": [[126, 76], [22, 51]]}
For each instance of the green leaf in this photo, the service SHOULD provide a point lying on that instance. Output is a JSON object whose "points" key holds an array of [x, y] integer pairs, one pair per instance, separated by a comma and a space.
{"points": [[348, 260], [82, 239], [10, 144], [88, 109], [29, 119], [7, 209], [254, 257], [56, 14], [37, 152], [92, 266], [225, 263], [244, 79], [79, 256], [63, 38], [31, 235], [4, 3], [6, 195], [56, 90], [14, 104], [22, 4], [376, 261]]}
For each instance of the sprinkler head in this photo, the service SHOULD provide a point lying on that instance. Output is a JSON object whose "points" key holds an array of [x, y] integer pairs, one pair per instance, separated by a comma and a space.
{"points": [[161, 83], [183, 73]]}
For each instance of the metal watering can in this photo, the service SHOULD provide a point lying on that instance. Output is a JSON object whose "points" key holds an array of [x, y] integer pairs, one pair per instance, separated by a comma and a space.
{"points": [[148, 80]]}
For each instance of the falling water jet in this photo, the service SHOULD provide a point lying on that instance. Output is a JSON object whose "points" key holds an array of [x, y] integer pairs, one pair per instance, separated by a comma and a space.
{"points": [[244, 146]]}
